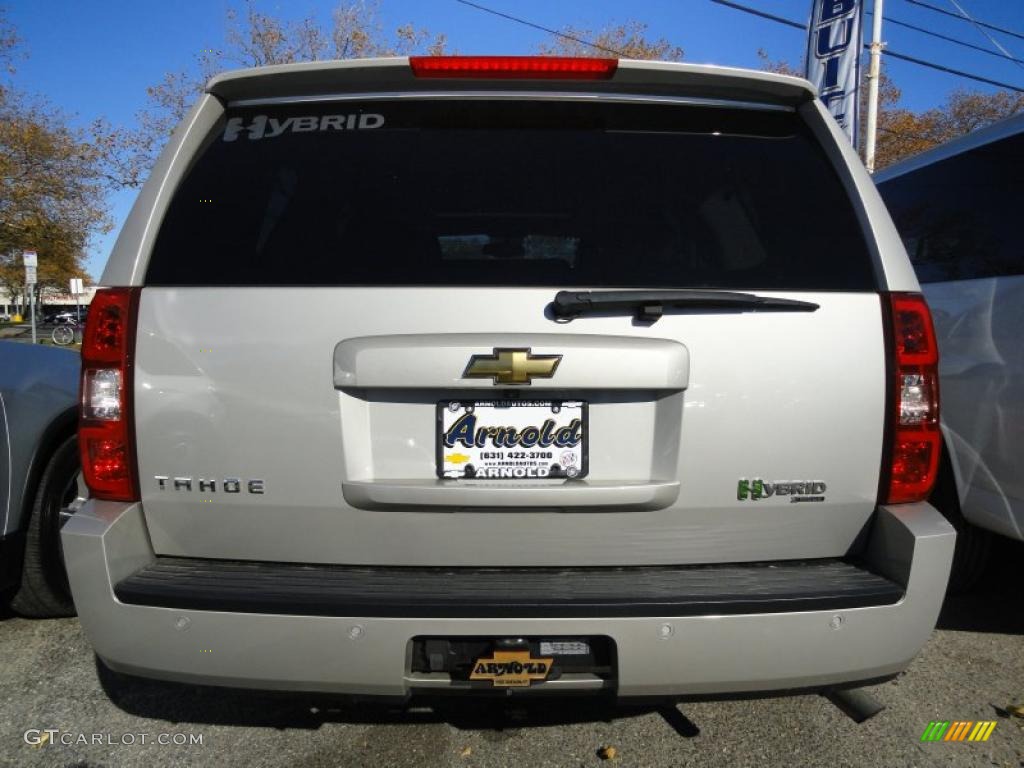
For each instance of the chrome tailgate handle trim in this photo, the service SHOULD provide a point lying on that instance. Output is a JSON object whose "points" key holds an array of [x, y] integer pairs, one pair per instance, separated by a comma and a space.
{"points": [[587, 495], [589, 361]]}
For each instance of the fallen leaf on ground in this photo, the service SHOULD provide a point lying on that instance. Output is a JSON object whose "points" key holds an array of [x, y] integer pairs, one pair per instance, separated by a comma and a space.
{"points": [[607, 753], [466, 752]]}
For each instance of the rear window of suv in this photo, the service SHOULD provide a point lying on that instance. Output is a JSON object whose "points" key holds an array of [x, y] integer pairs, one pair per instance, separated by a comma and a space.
{"points": [[530, 193]]}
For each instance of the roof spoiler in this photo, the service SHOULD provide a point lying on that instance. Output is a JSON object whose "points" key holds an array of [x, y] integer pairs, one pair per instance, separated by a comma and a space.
{"points": [[384, 75]]}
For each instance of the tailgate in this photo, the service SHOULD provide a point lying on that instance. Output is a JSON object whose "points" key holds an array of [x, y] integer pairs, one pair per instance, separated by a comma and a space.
{"points": [[691, 424]]}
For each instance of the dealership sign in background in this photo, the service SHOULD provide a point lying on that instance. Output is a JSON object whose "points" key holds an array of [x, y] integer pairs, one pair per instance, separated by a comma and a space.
{"points": [[833, 58]]}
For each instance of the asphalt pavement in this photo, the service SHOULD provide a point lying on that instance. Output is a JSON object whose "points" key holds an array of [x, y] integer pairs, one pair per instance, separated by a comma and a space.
{"points": [[971, 669]]}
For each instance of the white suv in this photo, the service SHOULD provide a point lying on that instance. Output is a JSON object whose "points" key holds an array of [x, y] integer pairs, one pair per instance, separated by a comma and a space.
{"points": [[604, 376]]}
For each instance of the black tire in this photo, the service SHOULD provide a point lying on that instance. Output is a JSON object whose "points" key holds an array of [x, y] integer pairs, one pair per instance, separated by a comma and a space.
{"points": [[973, 544], [44, 591]]}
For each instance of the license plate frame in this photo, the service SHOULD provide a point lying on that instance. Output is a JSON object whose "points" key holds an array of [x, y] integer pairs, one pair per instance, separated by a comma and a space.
{"points": [[489, 462]]}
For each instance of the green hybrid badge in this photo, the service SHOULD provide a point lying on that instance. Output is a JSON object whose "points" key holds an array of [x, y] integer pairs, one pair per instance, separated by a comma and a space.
{"points": [[757, 489]]}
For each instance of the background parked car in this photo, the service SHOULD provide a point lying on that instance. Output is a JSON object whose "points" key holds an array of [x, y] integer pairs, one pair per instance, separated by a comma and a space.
{"points": [[64, 316], [956, 208], [39, 474]]}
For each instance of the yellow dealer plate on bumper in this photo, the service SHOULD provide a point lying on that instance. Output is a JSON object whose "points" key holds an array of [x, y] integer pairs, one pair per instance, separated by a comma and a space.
{"points": [[511, 669]]}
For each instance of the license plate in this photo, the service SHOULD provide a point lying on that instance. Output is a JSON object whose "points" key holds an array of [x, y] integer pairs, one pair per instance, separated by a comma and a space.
{"points": [[511, 669], [511, 439]]}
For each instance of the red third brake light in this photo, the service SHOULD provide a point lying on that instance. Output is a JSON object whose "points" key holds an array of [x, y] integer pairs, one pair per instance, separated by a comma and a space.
{"points": [[916, 440], [514, 67], [106, 439]]}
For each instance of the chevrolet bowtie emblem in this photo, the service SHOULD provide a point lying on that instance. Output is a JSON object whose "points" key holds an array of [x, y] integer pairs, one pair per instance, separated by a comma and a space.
{"points": [[511, 366]]}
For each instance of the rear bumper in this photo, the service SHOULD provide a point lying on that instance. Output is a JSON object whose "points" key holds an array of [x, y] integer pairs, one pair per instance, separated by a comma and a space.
{"points": [[514, 593], [674, 653]]}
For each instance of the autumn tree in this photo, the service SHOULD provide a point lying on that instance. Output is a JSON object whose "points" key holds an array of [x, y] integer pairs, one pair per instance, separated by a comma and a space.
{"points": [[255, 39], [52, 187], [889, 94], [778, 66], [902, 133], [9, 46], [628, 40], [52, 196]]}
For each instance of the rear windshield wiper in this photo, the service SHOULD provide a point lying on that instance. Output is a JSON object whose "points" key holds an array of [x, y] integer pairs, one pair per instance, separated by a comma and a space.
{"points": [[649, 305]]}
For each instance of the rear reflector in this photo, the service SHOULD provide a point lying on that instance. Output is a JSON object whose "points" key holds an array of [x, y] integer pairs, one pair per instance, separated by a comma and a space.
{"points": [[514, 67], [106, 439], [916, 439]]}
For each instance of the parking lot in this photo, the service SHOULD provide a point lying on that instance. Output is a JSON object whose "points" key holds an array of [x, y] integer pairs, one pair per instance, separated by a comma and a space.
{"points": [[972, 669]]}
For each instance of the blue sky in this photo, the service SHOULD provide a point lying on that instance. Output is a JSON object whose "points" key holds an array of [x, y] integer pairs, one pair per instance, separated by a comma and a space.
{"points": [[96, 58]]}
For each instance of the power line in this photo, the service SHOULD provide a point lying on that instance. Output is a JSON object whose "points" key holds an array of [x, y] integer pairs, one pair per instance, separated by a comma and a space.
{"points": [[731, 4], [888, 51], [896, 22], [981, 29], [762, 14], [947, 38], [951, 71], [524, 22], [754, 12], [791, 23], [943, 11]]}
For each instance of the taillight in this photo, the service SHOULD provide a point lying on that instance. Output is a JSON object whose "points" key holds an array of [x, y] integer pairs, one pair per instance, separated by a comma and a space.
{"points": [[514, 67], [106, 439], [916, 440]]}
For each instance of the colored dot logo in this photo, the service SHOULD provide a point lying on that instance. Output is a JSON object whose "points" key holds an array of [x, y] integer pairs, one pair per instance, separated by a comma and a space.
{"points": [[958, 730]]}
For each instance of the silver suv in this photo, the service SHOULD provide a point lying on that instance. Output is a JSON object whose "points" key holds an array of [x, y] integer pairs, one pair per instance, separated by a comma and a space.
{"points": [[530, 374]]}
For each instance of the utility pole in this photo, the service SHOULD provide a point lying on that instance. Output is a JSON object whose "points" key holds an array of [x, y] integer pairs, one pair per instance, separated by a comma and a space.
{"points": [[31, 261], [874, 72], [76, 291]]}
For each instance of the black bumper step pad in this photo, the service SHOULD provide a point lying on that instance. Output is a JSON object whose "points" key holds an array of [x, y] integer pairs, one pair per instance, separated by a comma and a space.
{"points": [[474, 592]]}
